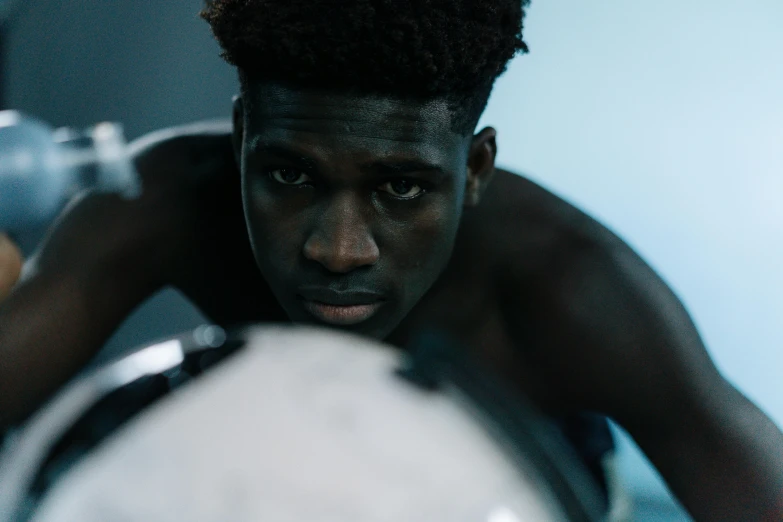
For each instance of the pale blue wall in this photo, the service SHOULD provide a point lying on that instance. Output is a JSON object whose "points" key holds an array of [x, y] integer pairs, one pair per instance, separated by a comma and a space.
{"points": [[665, 120]]}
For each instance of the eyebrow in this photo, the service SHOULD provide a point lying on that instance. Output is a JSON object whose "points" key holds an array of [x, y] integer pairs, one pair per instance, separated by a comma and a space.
{"points": [[398, 168], [284, 153], [381, 167]]}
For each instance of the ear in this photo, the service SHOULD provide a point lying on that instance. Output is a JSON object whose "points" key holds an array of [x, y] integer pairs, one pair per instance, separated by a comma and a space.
{"points": [[481, 165], [238, 134]]}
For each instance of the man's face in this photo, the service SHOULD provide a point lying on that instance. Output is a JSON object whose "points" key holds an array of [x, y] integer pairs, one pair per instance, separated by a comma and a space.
{"points": [[352, 203]]}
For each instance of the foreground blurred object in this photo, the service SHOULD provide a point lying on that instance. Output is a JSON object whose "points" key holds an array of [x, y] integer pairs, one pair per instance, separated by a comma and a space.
{"points": [[10, 265], [299, 424], [42, 168]]}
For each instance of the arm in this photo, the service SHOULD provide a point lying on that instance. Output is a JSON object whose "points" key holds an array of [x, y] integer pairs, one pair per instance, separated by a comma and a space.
{"points": [[622, 344], [102, 258], [10, 265], [52, 324]]}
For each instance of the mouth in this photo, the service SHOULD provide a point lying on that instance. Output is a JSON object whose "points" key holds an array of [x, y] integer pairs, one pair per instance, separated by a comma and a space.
{"points": [[340, 308], [342, 315]]}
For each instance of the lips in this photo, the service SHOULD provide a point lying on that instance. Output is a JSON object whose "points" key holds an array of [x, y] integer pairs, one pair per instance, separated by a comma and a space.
{"points": [[341, 315], [341, 308]]}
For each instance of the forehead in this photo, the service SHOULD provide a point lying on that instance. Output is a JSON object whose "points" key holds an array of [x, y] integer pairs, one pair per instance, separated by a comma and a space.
{"points": [[372, 123]]}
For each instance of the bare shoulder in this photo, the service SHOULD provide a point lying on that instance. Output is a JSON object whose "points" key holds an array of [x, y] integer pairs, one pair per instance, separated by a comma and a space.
{"points": [[215, 131], [221, 276], [203, 147], [528, 228], [541, 238], [589, 310]]}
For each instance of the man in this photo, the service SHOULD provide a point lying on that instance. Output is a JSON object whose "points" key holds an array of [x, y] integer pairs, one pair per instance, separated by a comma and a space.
{"points": [[371, 205]]}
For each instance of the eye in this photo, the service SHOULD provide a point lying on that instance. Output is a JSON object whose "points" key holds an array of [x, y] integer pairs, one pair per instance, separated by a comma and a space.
{"points": [[287, 176], [402, 189]]}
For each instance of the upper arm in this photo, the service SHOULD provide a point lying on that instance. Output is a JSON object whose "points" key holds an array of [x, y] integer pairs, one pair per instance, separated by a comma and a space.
{"points": [[623, 344], [633, 345]]}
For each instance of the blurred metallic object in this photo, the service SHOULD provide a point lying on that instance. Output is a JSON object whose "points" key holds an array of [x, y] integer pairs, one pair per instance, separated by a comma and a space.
{"points": [[93, 407], [300, 424], [42, 168]]}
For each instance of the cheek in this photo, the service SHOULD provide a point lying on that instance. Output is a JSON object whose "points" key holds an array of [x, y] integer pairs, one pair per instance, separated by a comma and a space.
{"points": [[275, 224], [425, 241]]}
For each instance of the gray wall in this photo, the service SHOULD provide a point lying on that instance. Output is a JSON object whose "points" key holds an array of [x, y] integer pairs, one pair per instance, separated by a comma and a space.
{"points": [[148, 64]]}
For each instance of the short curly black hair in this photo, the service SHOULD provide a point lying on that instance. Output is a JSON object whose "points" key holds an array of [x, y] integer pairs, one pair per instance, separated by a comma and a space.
{"points": [[406, 49]]}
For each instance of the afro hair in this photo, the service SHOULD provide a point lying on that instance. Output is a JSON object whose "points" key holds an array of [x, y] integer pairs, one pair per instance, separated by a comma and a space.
{"points": [[405, 49]]}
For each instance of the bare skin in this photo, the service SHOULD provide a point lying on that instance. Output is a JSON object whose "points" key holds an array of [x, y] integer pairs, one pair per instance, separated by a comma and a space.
{"points": [[555, 302], [10, 265]]}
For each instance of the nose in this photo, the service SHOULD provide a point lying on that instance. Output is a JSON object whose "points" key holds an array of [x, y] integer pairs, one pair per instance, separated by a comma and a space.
{"points": [[342, 241]]}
